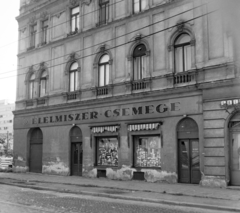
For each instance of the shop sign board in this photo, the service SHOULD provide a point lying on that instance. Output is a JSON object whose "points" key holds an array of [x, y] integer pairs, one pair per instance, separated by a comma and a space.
{"points": [[113, 113]]}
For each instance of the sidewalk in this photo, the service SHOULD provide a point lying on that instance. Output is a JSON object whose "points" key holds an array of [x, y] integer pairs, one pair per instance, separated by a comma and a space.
{"points": [[174, 194]]}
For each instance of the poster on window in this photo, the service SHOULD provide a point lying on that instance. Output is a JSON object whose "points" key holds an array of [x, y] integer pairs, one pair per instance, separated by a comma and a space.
{"points": [[148, 152], [107, 152]]}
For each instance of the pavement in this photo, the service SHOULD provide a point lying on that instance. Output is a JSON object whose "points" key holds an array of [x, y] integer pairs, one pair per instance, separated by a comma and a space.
{"points": [[222, 199]]}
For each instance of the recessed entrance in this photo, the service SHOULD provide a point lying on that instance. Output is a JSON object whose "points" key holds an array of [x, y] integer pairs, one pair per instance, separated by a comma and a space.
{"points": [[235, 150], [188, 152], [35, 161], [76, 151]]}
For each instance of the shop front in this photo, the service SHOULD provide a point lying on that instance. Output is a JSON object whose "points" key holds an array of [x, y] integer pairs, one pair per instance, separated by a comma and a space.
{"points": [[154, 141]]}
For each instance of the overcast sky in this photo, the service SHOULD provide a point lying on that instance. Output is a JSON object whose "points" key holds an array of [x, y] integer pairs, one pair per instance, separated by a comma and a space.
{"points": [[8, 48]]}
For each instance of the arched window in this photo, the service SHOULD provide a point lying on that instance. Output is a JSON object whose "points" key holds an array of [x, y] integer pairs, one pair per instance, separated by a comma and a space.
{"points": [[103, 70], [139, 62], [43, 84], [73, 77], [182, 53], [31, 86]]}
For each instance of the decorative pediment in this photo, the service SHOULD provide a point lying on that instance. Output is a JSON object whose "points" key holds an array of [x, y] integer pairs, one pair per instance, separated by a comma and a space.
{"points": [[44, 15], [32, 20], [180, 26], [73, 3], [86, 2]]}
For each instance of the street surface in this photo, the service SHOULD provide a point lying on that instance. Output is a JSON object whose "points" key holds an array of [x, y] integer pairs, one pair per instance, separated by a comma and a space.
{"points": [[23, 200]]}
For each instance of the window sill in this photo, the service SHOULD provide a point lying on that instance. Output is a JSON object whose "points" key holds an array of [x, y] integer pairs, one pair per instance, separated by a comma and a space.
{"points": [[72, 33]]}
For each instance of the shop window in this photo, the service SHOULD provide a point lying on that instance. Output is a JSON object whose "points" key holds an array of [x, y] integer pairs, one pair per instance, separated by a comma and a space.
{"points": [[103, 11], [182, 53], [33, 33], [75, 19], [107, 151], [73, 77], [43, 84], [103, 71], [139, 5], [44, 31], [139, 62], [147, 151], [31, 86]]}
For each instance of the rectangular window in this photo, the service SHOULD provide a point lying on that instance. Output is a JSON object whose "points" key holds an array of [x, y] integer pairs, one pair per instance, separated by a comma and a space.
{"points": [[44, 31], [147, 151], [107, 151], [33, 33], [31, 89], [75, 19], [139, 67], [43, 86], [73, 81], [103, 11], [139, 5]]}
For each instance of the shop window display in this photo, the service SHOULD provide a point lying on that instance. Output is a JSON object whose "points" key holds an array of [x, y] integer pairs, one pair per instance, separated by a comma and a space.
{"points": [[147, 151], [107, 151]]}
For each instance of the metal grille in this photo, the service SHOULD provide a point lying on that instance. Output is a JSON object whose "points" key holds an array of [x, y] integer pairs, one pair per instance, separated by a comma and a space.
{"points": [[139, 85], [183, 78]]}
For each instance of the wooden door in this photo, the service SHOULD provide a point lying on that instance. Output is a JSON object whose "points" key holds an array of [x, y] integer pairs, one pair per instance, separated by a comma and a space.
{"points": [[36, 140], [77, 154], [189, 164]]}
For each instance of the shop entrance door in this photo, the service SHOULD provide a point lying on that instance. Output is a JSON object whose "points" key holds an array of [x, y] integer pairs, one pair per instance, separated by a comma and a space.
{"points": [[189, 164], [76, 151], [235, 155], [77, 159], [36, 140]]}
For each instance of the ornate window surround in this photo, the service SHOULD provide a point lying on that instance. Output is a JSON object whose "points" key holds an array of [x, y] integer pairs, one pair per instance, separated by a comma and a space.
{"points": [[181, 28], [73, 57]]}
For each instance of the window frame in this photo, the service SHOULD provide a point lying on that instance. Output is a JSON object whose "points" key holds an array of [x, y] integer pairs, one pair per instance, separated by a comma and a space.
{"points": [[104, 11], [139, 5], [97, 139], [44, 29], [136, 136], [31, 86], [104, 64], [40, 84], [74, 17], [182, 48], [75, 74], [33, 35], [139, 58]]}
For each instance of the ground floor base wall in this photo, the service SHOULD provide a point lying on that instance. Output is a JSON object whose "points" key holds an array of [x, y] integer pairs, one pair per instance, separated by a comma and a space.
{"points": [[212, 181], [126, 173]]}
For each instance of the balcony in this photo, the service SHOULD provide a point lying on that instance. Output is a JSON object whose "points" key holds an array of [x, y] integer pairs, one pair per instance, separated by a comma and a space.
{"points": [[102, 91], [184, 77], [141, 85], [29, 103], [41, 101], [72, 96]]}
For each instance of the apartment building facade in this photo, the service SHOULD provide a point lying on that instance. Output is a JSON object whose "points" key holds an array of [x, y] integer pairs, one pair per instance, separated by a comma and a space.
{"points": [[143, 90]]}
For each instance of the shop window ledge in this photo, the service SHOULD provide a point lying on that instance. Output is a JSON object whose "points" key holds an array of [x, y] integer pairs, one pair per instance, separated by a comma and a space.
{"points": [[182, 78], [101, 173], [138, 176]]}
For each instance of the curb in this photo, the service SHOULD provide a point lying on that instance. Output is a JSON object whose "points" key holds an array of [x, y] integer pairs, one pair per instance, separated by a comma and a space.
{"points": [[158, 201]]}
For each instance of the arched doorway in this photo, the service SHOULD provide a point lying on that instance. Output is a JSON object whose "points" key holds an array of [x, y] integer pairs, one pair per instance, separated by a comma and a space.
{"points": [[188, 152], [76, 151], [234, 146], [36, 141]]}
